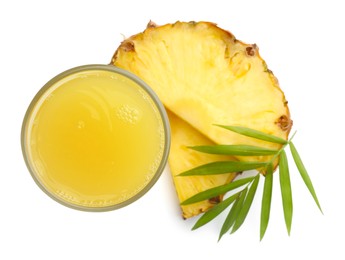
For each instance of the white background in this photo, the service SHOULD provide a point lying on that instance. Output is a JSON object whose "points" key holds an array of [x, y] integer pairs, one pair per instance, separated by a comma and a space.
{"points": [[302, 43]]}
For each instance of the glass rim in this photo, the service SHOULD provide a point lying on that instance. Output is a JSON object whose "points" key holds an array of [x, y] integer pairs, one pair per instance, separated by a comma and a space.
{"points": [[143, 85]]}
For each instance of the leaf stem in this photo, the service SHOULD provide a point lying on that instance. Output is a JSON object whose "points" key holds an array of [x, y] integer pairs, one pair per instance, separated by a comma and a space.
{"points": [[280, 150]]}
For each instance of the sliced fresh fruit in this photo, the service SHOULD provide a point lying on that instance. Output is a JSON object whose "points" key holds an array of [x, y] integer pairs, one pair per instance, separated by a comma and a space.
{"points": [[206, 76], [181, 159]]}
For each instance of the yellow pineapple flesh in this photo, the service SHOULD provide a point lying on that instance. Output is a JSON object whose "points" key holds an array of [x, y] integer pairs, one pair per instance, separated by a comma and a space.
{"points": [[181, 159], [205, 76]]}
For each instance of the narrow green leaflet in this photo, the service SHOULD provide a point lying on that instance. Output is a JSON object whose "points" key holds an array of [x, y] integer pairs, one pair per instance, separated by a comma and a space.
{"points": [[233, 213], [213, 192], [285, 187], [246, 205], [214, 212], [223, 167], [302, 170], [255, 134], [266, 201], [229, 221], [240, 150]]}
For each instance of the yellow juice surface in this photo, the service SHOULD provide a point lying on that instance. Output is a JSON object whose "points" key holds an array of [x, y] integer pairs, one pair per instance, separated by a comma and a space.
{"points": [[94, 139]]}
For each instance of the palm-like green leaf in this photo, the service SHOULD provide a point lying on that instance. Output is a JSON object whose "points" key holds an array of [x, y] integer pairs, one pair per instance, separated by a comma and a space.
{"points": [[266, 201], [239, 150], [285, 187], [223, 167], [214, 212], [255, 134], [246, 205], [213, 192], [242, 200], [302, 170]]}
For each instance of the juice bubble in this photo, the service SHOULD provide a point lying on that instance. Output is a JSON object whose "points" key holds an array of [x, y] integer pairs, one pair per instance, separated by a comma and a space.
{"points": [[81, 124], [128, 114]]}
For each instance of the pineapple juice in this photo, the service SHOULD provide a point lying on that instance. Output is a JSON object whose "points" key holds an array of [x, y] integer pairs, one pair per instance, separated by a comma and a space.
{"points": [[95, 139]]}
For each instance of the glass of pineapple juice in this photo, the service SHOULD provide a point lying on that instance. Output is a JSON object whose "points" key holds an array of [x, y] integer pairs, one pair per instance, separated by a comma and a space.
{"points": [[95, 138]]}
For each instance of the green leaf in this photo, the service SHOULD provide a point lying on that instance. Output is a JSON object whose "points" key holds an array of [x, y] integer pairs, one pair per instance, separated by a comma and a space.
{"points": [[246, 204], [285, 187], [231, 217], [213, 192], [214, 212], [240, 150], [223, 167], [304, 174], [255, 134], [266, 201]]}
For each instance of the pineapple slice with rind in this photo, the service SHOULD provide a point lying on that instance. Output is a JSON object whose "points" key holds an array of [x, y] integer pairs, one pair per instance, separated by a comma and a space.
{"points": [[181, 159], [206, 76]]}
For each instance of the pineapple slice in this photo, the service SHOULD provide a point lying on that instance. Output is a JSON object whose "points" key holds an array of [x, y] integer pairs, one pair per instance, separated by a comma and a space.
{"points": [[181, 159], [206, 76]]}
